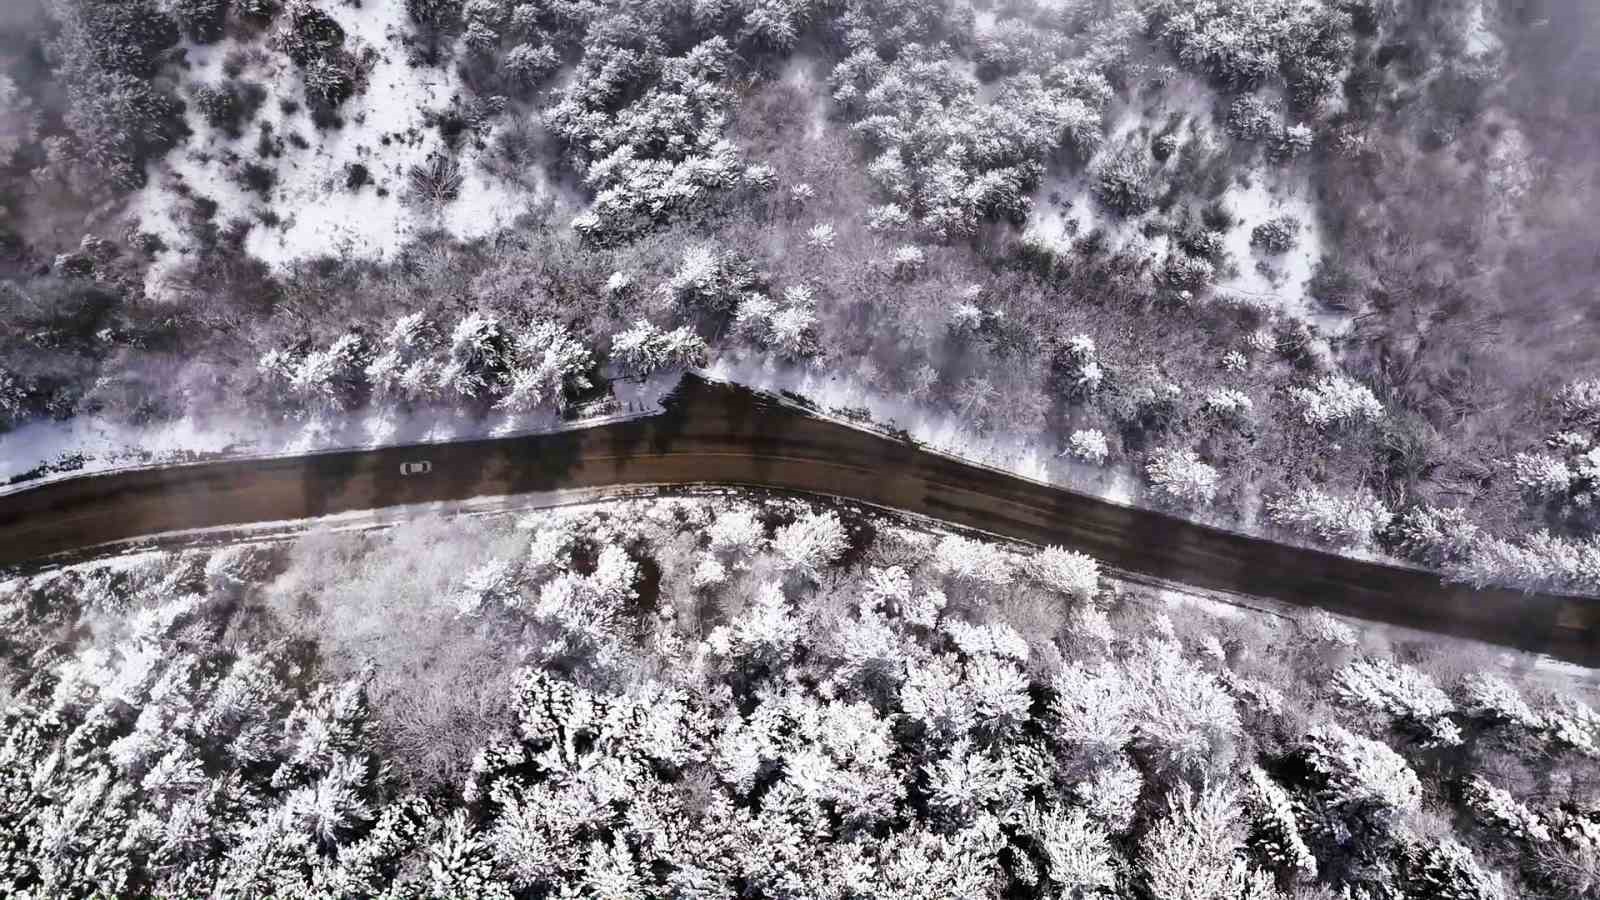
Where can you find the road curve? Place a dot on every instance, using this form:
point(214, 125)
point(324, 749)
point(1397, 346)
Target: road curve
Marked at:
point(718, 434)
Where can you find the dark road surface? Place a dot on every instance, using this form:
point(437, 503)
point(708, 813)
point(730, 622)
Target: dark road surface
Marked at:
point(717, 434)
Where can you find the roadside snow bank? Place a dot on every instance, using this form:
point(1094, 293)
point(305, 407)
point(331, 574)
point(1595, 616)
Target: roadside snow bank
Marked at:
point(847, 400)
point(84, 445)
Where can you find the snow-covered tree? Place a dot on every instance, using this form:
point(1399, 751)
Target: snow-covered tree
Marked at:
point(1408, 696)
point(1079, 362)
point(13, 399)
point(1278, 235)
point(787, 325)
point(1496, 808)
point(1089, 445)
point(908, 259)
point(994, 639)
point(479, 351)
point(1538, 560)
point(1092, 708)
point(1068, 572)
point(1191, 853)
point(644, 348)
point(1489, 697)
point(737, 533)
point(933, 695)
point(656, 153)
point(528, 65)
point(766, 633)
point(1447, 870)
point(811, 543)
point(708, 573)
point(1076, 849)
point(1578, 403)
point(972, 561)
point(407, 369)
point(19, 121)
point(1181, 713)
point(615, 575)
point(460, 863)
point(1360, 776)
point(1570, 723)
point(999, 692)
point(1251, 118)
point(1274, 833)
point(549, 364)
point(1540, 475)
point(1123, 182)
point(333, 378)
point(1318, 627)
point(1111, 794)
point(1180, 477)
point(1092, 626)
point(1334, 402)
point(493, 582)
point(1227, 404)
point(1347, 521)
point(1436, 536)
point(966, 782)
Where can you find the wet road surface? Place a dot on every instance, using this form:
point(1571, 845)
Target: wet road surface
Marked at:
point(724, 435)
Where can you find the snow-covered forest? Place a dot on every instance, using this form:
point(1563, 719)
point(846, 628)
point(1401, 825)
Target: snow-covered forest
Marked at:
point(1321, 269)
point(732, 697)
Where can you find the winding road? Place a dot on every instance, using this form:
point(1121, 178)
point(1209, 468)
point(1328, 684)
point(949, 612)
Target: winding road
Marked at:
point(723, 435)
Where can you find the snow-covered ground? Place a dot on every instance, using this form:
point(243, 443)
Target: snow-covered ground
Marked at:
point(807, 76)
point(385, 129)
point(1065, 209)
point(1276, 279)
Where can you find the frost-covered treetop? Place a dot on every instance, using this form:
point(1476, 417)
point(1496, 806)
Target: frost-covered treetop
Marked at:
point(1350, 521)
point(1181, 478)
point(811, 543)
point(1074, 574)
point(1335, 401)
point(1089, 445)
point(1360, 771)
point(1400, 692)
point(645, 348)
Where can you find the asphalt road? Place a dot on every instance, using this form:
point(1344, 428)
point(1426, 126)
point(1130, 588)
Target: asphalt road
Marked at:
point(717, 434)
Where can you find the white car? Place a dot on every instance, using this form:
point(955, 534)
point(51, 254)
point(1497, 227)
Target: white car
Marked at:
point(419, 467)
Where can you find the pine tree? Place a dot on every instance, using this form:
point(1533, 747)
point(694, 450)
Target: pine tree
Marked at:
point(1274, 833)
point(1111, 794)
point(1446, 871)
point(972, 561)
point(1359, 777)
point(1491, 698)
point(1401, 692)
point(1496, 808)
point(644, 348)
point(461, 864)
point(1181, 478)
point(812, 543)
point(1076, 851)
point(1335, 402)
point(1190, 854)
point(1092, 708)
point(1181, 714)
point(1068, 572)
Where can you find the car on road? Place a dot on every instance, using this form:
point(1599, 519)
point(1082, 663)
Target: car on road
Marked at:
point(416, 467)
